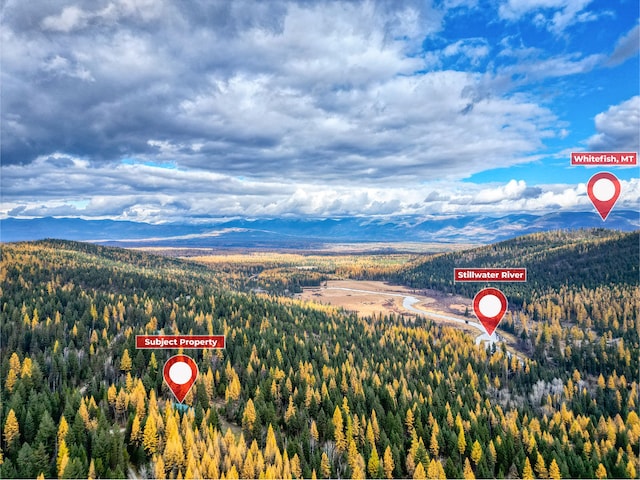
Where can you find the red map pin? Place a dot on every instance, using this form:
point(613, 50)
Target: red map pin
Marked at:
point(490, 305)
point(180, 373)
point(603, 190)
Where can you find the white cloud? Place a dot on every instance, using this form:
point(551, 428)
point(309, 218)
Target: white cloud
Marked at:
point(626, 47)
point(618, 128)
point(475, 49)
point(267, 108)
point(554, 15)
point(75, 18)
point(138, 192)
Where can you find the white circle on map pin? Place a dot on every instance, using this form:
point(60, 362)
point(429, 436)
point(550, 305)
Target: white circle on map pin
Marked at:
point(604, 189)
point(490, 306)
point(180, 373)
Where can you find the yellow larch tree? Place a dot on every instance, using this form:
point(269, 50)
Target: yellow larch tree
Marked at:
point(476, 452)
point(136, 432)
point(249, 416)
point(554, 470)
point(14, 371)
point(373, 465)
point(296, 469)
point(63, 429)
point(271, 450)
point(91, 475)
point(601, 472)
point(467, 472)
point(375, 426)
point(338, 432)
point(150, 436)
point(11, 429)
point(291, 411)
point(527, 471)
point(434, 446)
point(419, 473)
point(541, 468)
point(12, 378)
point(409, 420)
point(313, 430)
point(387, 463)
point(462, 443)
point(27, 367)
point(325, 466)
point(435, 470)
point(125, 361)
point(63, 457)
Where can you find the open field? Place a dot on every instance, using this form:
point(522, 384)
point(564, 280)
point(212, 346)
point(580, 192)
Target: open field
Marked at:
point(368, 297)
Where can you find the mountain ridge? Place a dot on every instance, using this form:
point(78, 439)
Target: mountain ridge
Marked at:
point(283, 232)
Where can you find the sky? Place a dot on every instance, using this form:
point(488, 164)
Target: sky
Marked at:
point(186, 111)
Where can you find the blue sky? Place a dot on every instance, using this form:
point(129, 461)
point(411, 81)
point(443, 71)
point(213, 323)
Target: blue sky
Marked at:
point(165, 110)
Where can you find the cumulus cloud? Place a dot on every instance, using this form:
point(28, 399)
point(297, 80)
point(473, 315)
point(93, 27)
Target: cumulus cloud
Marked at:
point(306, 89)
point(618, 128)
point(69, 186)
point(113, 108)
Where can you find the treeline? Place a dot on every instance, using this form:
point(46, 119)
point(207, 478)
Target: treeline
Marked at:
point(300, 390)
point(579, 258)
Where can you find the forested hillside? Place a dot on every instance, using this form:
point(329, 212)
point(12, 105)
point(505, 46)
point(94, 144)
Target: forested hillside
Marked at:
point(304, 390)
point(577, 258)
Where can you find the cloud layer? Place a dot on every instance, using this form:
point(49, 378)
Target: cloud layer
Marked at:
point(282, 107)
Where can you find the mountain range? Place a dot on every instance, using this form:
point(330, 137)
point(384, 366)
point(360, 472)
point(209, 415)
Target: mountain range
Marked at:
point(308, 232)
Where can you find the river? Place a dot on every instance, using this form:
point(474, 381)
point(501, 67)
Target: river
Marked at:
point(408, 303)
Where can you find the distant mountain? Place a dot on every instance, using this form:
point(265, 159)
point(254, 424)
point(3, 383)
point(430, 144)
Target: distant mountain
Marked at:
point(309, 232)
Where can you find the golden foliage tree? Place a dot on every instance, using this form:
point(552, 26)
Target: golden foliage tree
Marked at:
point(527, 471)
point(125, 361)
point(387, 463)
point(554, 470)
point(11, 429)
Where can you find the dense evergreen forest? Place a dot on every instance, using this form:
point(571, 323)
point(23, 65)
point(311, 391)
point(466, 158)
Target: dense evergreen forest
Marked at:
point(305, 390)
point(577, 258)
